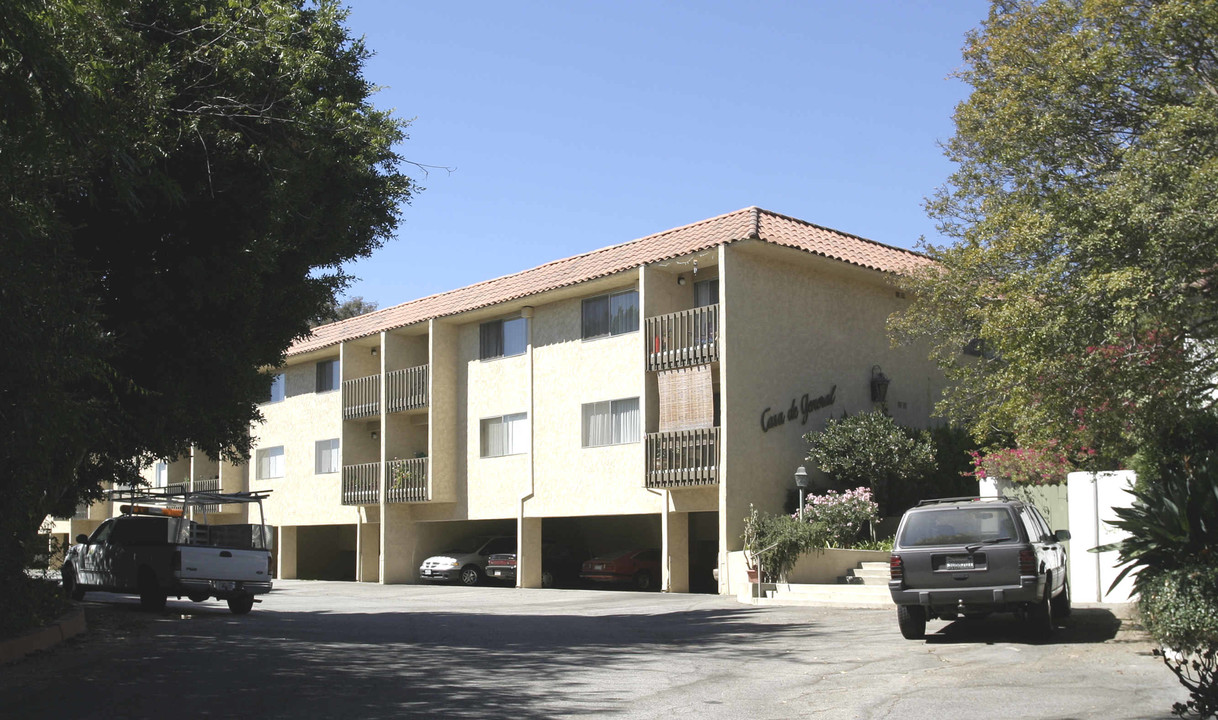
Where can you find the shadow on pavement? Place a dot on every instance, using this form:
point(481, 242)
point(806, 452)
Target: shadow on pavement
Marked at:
point(199, 660)
point(1085, 625)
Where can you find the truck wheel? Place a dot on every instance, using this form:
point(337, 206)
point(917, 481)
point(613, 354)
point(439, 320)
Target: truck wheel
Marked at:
point(152, 597)
point(71, 588)
point(241, 605)
point(912, 620)
point(198, 597)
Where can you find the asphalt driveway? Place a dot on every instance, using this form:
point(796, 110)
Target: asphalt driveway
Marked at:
point(339, 650)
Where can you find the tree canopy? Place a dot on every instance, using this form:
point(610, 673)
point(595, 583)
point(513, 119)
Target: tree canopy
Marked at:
point(1084, 214)
point(181, 183)
point(349, 308)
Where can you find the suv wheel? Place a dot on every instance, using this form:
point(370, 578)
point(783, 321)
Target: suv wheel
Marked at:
point(912, 620)
point(1061, 603)
point(471, 575)
point(1040, 616)
point(71, 588)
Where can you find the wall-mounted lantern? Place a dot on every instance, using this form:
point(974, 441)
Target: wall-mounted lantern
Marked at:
point(375, 435)
point(374, 351)
point(879, 385)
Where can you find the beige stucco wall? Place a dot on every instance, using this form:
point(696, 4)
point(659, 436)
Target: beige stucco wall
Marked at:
point(302, 497)
point(796, 324)
point(568, 373)
point(486, 389)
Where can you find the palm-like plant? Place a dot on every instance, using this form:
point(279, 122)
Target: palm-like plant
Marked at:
point(1172, 522)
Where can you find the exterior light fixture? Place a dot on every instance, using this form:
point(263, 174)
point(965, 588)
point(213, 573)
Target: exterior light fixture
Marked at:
point(801, 482)
point(879, 385)
point(680, 279)
point(375, 435)
point(374, 351)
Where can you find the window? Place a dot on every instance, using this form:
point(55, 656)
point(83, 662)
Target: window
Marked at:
point(326, 456)
point(706, 292)
point(507, 435)
point(162, 475)
point(611, 314)
point(502, 338)
point(277, 388)
point(327, 376)
point(270, 463)
point(611, 422)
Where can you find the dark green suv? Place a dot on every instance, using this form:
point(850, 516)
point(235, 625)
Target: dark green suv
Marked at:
point(974, 556)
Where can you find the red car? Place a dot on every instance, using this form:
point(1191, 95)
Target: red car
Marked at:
point(640, 568)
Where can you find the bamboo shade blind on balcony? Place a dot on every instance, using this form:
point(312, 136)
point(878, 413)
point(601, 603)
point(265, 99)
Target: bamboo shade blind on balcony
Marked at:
point(687, 399)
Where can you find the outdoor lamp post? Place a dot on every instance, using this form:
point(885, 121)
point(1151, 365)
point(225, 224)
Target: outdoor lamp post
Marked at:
point(801, 482)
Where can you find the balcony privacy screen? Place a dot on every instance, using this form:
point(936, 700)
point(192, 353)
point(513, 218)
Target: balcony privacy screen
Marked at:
point(687, 399)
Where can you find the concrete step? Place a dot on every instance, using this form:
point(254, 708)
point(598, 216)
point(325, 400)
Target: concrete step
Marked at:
point(868, 573)
point(878, 566)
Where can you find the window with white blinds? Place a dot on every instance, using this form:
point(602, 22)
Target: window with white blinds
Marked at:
point(611, 422)
point(327, 456)
point(506, 435)
point(270, 463)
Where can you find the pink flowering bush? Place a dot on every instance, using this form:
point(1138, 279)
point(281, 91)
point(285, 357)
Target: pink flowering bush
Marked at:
point(1028, 466)
point(843, 516)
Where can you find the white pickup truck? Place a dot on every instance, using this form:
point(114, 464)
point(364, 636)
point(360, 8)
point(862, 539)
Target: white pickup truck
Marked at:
point(156, 550)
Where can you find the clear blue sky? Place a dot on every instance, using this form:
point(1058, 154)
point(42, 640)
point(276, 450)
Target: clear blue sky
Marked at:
point(571, 126)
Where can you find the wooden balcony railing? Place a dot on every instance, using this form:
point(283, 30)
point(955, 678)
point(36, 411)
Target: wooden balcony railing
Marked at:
point(682, 339)
point(683, 458)
point(407, 388)
point(362, 397)
point(362, 484)
point(407, 480)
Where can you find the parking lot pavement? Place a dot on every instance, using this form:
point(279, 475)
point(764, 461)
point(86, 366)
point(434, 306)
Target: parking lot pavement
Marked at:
point(320, 649)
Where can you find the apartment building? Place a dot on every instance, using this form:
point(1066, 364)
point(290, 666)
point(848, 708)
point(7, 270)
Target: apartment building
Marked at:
point(640, 395)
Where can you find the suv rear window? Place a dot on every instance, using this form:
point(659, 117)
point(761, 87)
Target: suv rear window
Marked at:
point(957, 526)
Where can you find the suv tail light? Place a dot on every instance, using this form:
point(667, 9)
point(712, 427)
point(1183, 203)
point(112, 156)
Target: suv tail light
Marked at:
point(896, 568)
point(1027, 562)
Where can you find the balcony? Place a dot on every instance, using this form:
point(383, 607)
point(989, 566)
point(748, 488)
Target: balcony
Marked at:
point(209, 485)
point(362, 484)
point(407, 388)
point(683, 458)
point(362, 397)
point(407, 481)
point(682, 339)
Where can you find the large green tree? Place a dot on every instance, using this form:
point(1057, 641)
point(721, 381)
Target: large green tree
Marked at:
point(1084, 214)
point(181, 182)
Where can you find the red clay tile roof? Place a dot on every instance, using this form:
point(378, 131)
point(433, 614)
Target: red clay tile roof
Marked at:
point(749, 223)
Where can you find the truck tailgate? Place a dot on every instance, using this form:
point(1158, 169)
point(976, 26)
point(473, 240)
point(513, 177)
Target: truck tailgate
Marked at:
point(214, 563)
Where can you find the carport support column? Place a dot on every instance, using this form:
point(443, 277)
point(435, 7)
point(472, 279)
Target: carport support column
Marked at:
point(286, 547)
point(528, 551)
point(675, 555)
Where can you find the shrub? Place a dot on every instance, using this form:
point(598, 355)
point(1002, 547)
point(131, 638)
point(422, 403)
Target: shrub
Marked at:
point(1179, 608)
point(870, 449)
point(843, 516)
point(779, 541)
